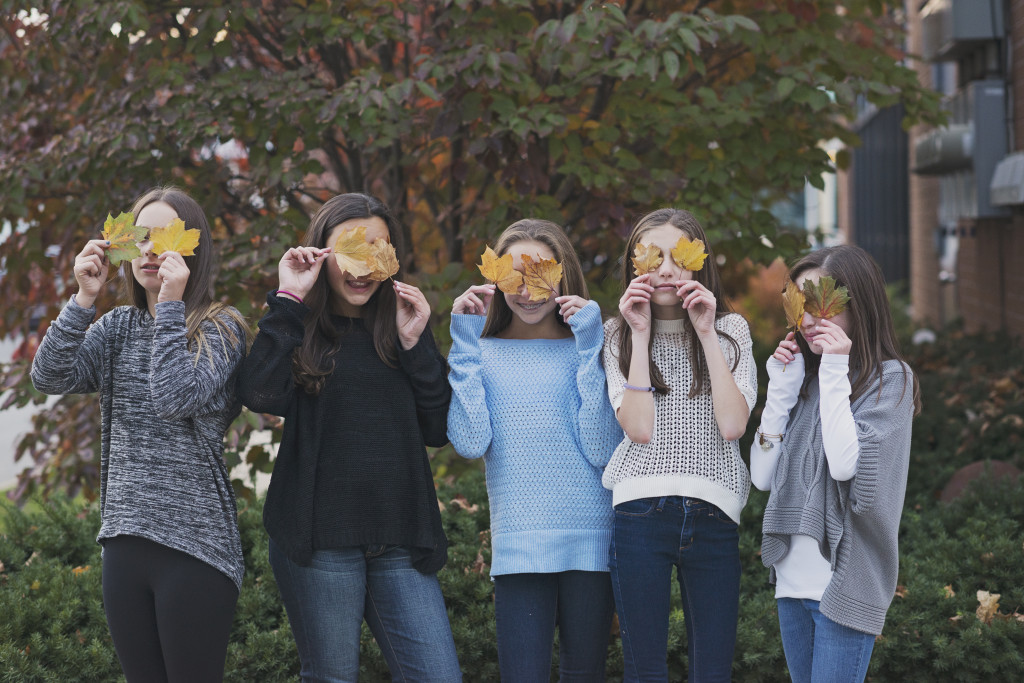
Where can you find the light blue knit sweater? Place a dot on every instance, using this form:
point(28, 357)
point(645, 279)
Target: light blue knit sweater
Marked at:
point(537, 410)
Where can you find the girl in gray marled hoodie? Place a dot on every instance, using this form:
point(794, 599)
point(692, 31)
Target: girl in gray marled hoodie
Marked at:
point(834, 448)
point(164, 367)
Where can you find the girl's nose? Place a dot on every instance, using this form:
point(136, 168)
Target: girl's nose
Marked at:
point(807, 320)
point(145, 246)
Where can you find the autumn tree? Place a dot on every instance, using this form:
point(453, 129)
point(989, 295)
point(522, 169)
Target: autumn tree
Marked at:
point(463, 116)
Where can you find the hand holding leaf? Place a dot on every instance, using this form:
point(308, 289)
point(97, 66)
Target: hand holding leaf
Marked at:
point(174, 237)
point(123, 235)
point(688, 254)
point(646, 257)
point(824, 299)
point(542, 277)
point(500, 271)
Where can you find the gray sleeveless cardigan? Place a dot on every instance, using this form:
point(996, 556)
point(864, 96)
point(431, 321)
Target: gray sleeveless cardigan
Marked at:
point(855, 522)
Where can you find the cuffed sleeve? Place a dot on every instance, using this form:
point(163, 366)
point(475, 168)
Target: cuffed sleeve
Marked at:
point(469, 420)
point(69, 359)
point(597, 428)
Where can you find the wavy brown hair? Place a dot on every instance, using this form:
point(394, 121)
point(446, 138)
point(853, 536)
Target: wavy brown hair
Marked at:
point(871, 328)
point(499, 315)
point(200, 305)
point(313, 361)
point(707, 276)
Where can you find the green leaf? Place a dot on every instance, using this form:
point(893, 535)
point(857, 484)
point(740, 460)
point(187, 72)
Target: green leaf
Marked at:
point(784, 87)
point(689, 39)
point(671, 62)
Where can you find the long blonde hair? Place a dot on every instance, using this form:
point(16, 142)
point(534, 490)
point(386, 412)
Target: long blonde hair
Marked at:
point(200, 305)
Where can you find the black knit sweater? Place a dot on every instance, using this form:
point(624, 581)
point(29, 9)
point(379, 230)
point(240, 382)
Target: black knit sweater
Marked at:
point(352, 468)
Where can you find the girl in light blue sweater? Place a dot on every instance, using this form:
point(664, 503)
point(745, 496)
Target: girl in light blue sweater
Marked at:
point(529, 395)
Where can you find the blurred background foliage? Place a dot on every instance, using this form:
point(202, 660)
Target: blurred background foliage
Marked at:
point(463, 116)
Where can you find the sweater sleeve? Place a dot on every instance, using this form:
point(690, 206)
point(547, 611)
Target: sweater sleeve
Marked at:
point(883, 416)
point(614, 377)
point(265, 380)
point(469, 419)
point(838, 429)
point(745, 372)
point(181, 382)
point(425, 367)
point(598, 429)
point(69, 359)
point(784, 383)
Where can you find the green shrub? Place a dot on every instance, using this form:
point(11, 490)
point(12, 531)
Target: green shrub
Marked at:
point(53, 627)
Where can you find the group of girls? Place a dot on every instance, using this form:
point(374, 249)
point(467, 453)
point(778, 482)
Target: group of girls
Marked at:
point(611, 455)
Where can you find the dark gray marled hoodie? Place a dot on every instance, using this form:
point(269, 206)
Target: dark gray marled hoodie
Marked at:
point(164, 417)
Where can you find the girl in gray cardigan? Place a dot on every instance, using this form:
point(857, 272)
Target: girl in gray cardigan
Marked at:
point(833, 448)
point(164, 369)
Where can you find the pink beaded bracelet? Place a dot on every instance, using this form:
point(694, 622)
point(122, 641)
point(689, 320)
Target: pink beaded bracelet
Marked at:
point(633, 388)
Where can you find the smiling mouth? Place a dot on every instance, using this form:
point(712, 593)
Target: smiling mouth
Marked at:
point(359, 285)
point(150, 268)
point(532, 305)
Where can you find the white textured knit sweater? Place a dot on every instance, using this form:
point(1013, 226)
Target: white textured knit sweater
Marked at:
point(687, 454)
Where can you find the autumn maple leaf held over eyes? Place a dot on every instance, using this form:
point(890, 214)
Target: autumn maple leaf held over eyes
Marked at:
point(646, 257)
point(124, 236)
point(174, 237)
point(541, 277)
point(500, 271)
point(825, 299)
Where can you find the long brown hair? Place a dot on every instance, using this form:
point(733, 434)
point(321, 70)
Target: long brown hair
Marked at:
point(313, 361)
point(707, 276)
point(871, 328)
point(198, 295)
point(499, 315)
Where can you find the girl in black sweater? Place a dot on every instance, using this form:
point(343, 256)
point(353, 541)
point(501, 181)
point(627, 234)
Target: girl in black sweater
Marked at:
point(355, 529)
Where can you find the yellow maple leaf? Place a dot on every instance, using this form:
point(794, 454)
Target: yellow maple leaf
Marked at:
point(988, 606)
point(500, 271)
point(689, 254)
point(353, 252)
point(793, 304)
point(124, 236)
point(541, 277)
point(174, 237)
point(646, 257)
point(383, 260)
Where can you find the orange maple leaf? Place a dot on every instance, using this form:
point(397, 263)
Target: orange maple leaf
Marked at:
point(646, 257)
point(793, 304)
point(383, 260)
point(500, 271)
point(353, 252)
point(124, 236)
point(824, 299)
point(174, 237)
point(542, 277)
point(689, 254)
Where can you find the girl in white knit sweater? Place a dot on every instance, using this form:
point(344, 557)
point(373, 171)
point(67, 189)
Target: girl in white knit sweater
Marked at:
point(682, 379)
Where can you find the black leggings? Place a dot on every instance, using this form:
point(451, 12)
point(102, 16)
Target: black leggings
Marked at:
point(169, 613)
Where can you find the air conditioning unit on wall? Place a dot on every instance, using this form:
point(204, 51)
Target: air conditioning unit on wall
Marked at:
point(953, 28)
point(966, 152)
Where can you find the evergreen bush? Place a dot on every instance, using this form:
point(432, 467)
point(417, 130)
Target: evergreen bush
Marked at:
point(53, 627)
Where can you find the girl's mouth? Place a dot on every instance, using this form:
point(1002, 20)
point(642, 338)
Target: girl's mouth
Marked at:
point(359, 285)
point(150, 268)
point(531, 305)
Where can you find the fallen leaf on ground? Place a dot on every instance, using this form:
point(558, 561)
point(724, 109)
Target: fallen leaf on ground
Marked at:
point(988, 606)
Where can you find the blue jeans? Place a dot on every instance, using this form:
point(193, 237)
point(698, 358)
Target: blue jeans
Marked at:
point(526, 609)
point(651, 536)
point(328, 600)
point(818, 649)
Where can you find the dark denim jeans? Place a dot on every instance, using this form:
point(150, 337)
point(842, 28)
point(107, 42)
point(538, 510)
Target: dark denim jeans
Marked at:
point(651, 536)
point(527, 607)
point(328, 600)
point(818, 650)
